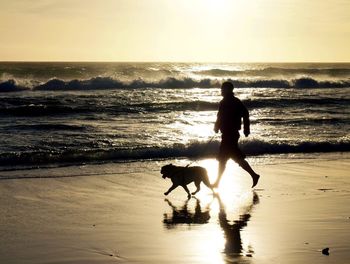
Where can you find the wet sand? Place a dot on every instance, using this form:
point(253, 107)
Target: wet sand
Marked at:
point(117, 213)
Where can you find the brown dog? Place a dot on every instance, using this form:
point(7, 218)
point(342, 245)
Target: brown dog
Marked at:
point(181, 176)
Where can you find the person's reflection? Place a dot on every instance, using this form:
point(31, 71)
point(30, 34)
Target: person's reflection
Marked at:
point(183, 215)
point(232, 231)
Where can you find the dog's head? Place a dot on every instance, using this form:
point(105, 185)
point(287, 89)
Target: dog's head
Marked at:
point(167, 170)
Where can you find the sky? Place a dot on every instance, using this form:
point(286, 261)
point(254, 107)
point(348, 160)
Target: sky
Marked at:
point(175, 30)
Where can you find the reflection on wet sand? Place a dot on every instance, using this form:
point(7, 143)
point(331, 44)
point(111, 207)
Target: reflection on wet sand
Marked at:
point(182, 215)
point(233, 246)
point(232, 231)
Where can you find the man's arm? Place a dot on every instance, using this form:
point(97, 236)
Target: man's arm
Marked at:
point(217, 125)
point(246, 121)
point(218, 121)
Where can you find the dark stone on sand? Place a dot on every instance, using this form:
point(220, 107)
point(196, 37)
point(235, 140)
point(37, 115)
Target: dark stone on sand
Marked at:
point(325, 251)
point(325, 189)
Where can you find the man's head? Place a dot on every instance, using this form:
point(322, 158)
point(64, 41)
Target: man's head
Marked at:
point(226, 88)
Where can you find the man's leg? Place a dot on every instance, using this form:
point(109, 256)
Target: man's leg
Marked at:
point(245, 165)
point(222, 166)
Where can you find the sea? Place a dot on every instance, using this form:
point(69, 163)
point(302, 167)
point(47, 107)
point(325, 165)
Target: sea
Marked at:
point(69, 113)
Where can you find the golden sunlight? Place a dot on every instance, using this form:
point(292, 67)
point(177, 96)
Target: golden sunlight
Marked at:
point(212, 246)
point(193, 31)
point(194, 126)
point(234, 180)
point(215, 3)
point(231, 208)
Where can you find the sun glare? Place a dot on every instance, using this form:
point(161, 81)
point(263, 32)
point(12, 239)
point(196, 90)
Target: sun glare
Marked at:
point(215, 3)
point(194, 126)
point(234, 199)
point(234, 183)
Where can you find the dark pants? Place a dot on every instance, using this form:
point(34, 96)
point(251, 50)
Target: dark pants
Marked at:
point(229, 148)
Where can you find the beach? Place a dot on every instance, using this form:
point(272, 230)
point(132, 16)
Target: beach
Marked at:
point(82, 145)
point(98, 97)
point(117, 213)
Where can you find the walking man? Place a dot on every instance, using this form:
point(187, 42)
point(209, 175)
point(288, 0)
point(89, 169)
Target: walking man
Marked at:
point(229, 122)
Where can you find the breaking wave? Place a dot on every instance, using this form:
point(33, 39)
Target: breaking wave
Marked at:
point(11, 86)
point(192, 150)
point(102, 83)
point(273, 71)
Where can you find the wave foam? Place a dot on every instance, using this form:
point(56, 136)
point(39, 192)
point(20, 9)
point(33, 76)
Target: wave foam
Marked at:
point(100, 83)
point(276, 71)
point(193, 150)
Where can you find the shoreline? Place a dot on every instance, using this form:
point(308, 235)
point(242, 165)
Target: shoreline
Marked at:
point(260, 159)
point(120, 215)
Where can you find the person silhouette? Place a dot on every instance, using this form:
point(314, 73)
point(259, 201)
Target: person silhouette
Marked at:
point(229, 122)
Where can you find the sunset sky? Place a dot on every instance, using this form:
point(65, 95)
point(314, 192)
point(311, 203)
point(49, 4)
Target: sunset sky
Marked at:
point(175, 30)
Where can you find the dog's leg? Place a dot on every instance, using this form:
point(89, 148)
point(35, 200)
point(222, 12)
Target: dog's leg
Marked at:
point(170, 189)
point(207, 183)
point(198, 185)
point(187, 190)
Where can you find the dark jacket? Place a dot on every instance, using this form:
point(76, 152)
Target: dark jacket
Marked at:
point(231, 112)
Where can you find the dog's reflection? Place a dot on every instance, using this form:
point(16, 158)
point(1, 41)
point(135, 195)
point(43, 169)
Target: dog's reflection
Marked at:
point(184, 215)
point(232, 230)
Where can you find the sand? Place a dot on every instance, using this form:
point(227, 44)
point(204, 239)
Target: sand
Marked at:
point(117, 213)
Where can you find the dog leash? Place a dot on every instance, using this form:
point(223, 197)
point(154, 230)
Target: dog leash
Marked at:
point(210, 140)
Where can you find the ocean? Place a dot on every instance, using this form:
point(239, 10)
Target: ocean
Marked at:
point(66, 113)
